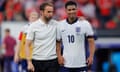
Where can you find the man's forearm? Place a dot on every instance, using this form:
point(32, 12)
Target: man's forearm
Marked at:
point(27, 49)
point(91, 47)
point(17, 49)
point(58, 48)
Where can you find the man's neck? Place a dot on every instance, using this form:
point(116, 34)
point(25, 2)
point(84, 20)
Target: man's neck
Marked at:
point(7, 35)
point(44, 20)
point(71, 20)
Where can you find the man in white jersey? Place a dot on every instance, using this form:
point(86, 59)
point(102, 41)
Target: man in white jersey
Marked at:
point(72, 33)
point(43, 35)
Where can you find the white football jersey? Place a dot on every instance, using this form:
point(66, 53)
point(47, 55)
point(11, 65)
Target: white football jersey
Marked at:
point(73, 38)
point(44, 39)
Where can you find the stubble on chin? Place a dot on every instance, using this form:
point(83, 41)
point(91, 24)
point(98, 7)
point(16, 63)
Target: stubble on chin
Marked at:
point(48, 19)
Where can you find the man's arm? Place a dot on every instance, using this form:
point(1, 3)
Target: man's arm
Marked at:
point(17, 50)
point(90, 38)
point(16, 57)
point(91, 50)
point(27, 50)
point(58, 50)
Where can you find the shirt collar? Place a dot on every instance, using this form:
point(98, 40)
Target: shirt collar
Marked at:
point(73, 21)
point(42, 22)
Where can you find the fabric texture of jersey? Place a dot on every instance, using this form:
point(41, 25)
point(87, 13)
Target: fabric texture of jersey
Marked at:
point(73, 38)
point(44, 39)
point(22, 38)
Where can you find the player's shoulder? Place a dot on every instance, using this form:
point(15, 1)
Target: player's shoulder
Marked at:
point(84, 22)
point(35, 23)
point(62, 21)
point(54, 21)
point(24, 27)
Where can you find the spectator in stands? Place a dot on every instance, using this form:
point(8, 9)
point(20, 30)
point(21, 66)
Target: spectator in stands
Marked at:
point(9, 10)
point(114, 22)
point(1, 17)
point(87, 8)
point(104, 11)
point(18, 11)
point(2, 5)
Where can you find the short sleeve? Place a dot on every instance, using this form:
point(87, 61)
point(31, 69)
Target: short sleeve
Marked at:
point(30, 33)
point(89, 30)
point(58, 33)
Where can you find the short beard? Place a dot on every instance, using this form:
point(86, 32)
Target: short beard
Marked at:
point(48, 19)
point(72, 18)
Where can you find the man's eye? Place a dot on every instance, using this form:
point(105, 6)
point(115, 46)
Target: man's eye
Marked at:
point(69, 9)
point(49, 11)
point(74, 9)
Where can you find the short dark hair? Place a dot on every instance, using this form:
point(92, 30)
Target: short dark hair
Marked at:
point(7, 30)
point(43, 5)
point(70, 3)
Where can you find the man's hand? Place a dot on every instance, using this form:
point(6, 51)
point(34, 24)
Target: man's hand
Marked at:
point(61, 60)
point(90, 61)
point(30, 66)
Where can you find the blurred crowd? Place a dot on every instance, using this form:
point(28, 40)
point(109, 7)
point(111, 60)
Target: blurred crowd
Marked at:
point(101, 13)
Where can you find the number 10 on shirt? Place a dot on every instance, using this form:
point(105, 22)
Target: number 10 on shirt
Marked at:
point(71, 38)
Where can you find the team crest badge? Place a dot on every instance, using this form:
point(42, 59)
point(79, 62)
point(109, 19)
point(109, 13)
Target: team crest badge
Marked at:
point(78, 30)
